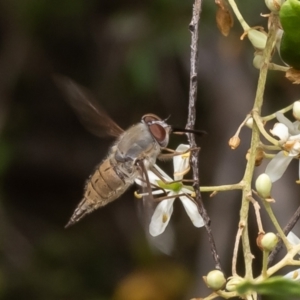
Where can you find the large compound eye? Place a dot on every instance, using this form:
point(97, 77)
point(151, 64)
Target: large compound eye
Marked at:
point(158, 132)
point(156, 128)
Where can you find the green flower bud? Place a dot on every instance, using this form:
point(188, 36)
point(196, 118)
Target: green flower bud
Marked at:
point(215, 280)
point(296, 110)
point(274, 5)
point(263, 185)
point(257, 38)
point(249, 123)
point(269, 241)
point(257, 61)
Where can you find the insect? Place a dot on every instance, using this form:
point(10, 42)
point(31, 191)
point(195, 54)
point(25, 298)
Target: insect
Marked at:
point(133, 153)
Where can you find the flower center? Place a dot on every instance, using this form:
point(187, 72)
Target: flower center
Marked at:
point(173, 186)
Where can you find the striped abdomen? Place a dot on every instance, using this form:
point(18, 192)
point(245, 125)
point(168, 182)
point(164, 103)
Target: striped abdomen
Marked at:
point(105, 185)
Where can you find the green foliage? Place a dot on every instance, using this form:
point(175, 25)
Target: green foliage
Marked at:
point(35, 13)
point(143, 67)
point(290, 43)
point(277, 287)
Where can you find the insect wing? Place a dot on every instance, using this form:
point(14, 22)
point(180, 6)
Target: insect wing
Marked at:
point(146, 207)
point(89, 112)
point(165, 241)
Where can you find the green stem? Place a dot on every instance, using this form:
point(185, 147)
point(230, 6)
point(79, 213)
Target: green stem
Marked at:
point(265, 264)
point(268, 155)
point(222, 188)
point(286, 261)
point(238, 15)
point(262, 130)
point(273, 116)
point(255, 140)
point(269, 147)
point(276, 224)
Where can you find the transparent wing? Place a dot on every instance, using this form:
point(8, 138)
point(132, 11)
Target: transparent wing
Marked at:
point(146, 206)
point(164, 242)
point(89, 112)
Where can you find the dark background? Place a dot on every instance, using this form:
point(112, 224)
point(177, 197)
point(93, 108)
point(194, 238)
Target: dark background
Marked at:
point(134, 57)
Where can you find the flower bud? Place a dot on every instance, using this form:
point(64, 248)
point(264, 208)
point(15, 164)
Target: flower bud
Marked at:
point(269, 241)
point(257, 38)
point(233, 282)
point(274, 5)
point(296, 110)
point(215, 280)
point(259, 156)
point(249, 123)
point(263, 185)
point(258, 240)
point(234, 142)
point(257, 61)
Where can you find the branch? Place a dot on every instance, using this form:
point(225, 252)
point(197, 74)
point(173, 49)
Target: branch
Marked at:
point(290, 225)
point(193, 27)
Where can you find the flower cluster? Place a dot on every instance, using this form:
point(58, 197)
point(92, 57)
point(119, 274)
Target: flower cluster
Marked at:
point(289, 139)
point(294, 240)
point(173, 188)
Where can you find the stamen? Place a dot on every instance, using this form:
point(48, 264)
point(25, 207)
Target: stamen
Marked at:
point(137, 195)
point(295, 274)
point(165, 218)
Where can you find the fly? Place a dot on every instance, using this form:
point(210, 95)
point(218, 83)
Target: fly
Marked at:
point(134, 152)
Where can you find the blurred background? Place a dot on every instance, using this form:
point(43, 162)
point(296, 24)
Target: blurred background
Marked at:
point(134, 57)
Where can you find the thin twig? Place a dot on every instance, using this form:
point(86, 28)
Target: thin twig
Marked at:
point(290, 225)
point(270, 212)
point(191, 124)
point(257, 213)
point(236, 248)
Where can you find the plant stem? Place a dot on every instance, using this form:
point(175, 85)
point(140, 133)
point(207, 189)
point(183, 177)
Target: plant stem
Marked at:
point(290, 225)
point(273, 116)
point(255, 141)
point(238, 15)
point(276, 224)
point(193, 26)
point(265, 264)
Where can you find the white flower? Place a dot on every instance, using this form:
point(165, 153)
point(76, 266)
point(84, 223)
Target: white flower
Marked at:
point(280, 130)
point(293, 275)
point(294, 240)
point(296, 110)
point(162, 214)
point(289, 138)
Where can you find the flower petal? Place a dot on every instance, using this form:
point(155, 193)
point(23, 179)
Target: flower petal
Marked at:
point(281, 131)
point(295, 150)
point(187, 191)
point(277, 166)
point(192, 211)
point(162, 173)
point(153, 178)
point(181, 163)
point(284, 120)
point(293, 239)
point(161, 217)
point(294, 275)
point(296, 126)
